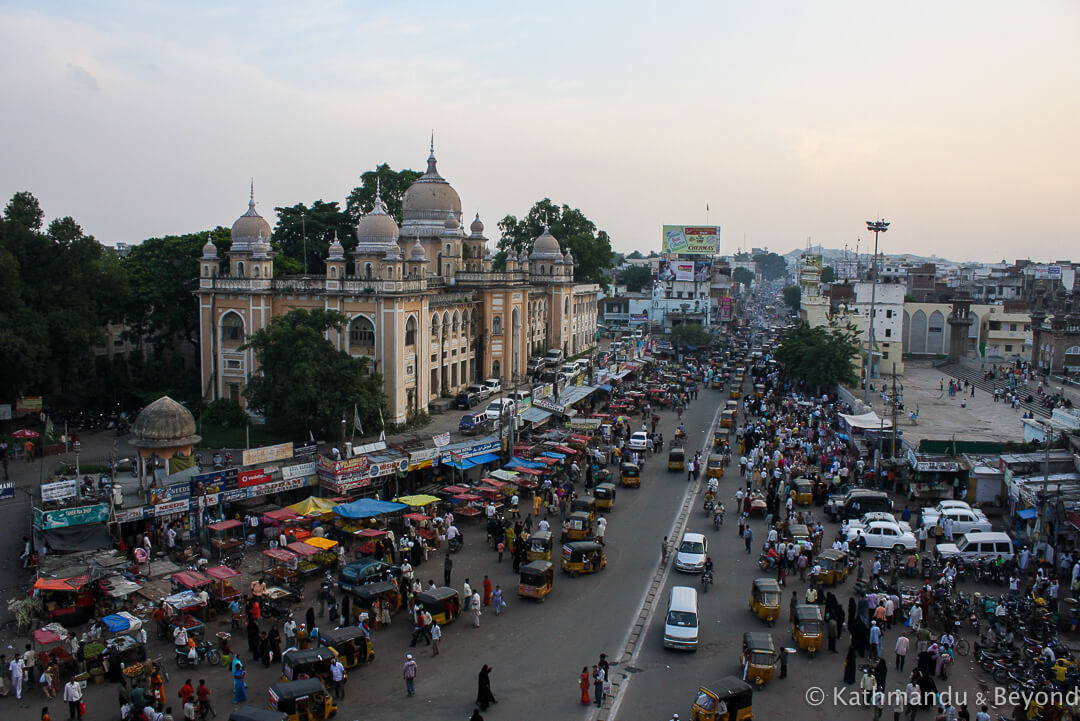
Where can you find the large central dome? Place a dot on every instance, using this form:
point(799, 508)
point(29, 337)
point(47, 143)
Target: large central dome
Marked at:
point(427, 203)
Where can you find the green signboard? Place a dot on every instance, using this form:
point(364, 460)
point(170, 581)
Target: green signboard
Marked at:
point(66, 517)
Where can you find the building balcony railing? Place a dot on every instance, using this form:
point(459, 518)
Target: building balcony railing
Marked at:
point(472, 276)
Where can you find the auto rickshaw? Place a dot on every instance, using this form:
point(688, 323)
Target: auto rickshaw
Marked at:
point(538, 547)
point(443, 604)
point(802, 491)
point(583, 557)
point(834, 567)
point(727, 419)
point(715, 468)
point(719, 441)
point(731, 406)
point(759, 390)
point(578, 527)
point(759, 657)
point(349, 643)
point(676, 459)
point(736, 391)
point(765, 599)
point(536, 580)
point(584, 504)
point(729, 699)
point(799, 533)
point(253, 713)
point(303, 700)
point(807, 629)
point(312, 662)
point(604, 495)
point(718, 382)
point(630, 475)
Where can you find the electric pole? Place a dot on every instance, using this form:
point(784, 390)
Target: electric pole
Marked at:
point(878, 227)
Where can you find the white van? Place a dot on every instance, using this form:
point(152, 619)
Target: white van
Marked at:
point(681, 622)
point(977, 545)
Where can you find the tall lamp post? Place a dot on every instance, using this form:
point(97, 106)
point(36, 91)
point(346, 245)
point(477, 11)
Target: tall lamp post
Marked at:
point(878, 227)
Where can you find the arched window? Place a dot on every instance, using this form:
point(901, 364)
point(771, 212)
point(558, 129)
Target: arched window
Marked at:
point(496, 325)
point(240, 268)
point(333, 271)
point(496, 369)
point(410, 331)
point(448, 249)
point(232, 327)
point(566, 307)
point(435, 325)
point(255, 271)
point(367, 270)
point(361, 333)
point(456, 323)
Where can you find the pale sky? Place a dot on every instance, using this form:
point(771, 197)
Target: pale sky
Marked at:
point(956, 121)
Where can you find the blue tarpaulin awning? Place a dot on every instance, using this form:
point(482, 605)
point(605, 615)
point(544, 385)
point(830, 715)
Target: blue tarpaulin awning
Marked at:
point(367, 507)
point(1026, 513)
point(463, 465)
point(516, 462)
point(604, 387)
point(484, 458)
point(553, 454)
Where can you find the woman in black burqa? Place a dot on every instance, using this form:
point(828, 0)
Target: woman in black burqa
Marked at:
point(484, 697)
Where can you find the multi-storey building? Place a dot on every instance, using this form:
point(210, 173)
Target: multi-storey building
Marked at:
point(422, 300)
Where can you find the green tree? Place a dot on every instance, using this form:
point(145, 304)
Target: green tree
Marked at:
point(637, 277)
point(636, 255)
point(391, 183)
point(743, 275)
point(828, 274)
point(591, 247)
point(819, 358)
point(771, 265)
point(317, 224)
point(793, 297)
point(304, 381)
point(24, 211)
point(689, 334)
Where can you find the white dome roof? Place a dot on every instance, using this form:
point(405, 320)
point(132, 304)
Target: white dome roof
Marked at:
point(249, 226)
point(417, 253)
point(477, 227)
point(337, 252)
point(546, 247)
point(376, 230)
point(430, 195)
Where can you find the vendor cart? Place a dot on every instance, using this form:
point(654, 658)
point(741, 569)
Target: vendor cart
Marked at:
point(223, 592)
point(68, 601)
point(281, 564)
point(226, 536)
point(326, 551)
point(53, 641)
point(185, 609)
point(306, 568)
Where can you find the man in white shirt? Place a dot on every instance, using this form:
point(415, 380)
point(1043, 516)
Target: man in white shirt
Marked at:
point(290, 633)
point(544, 525)
point(337, 675)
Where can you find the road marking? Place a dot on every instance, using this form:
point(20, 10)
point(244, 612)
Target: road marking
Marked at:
point(631, 645)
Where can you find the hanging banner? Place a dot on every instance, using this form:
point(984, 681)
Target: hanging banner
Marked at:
point(59, 490)
point(66, 517)
point(170, 508)
point(171, 492)
point(28, 404)
point(443, 439)
point(302, 450)
point(216, 482)
point(254, 477)
point(267, 454)
point(298, 471)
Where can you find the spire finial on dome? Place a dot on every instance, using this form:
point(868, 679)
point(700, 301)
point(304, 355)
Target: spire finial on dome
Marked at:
point(378, 188)
point(432, 150)
point(251, 198)
point(431, 164)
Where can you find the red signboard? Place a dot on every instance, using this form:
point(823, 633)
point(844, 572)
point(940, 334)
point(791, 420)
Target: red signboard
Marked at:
point(253, 477)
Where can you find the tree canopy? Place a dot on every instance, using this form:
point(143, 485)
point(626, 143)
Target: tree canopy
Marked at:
point(771, 265)
point(793, 297)
point(828, 274)
point(304, 381)
point(689, 334)
point(743, 275)
point(591, 247)
point(317, 223)
point(391, 183)
point(819, 358)
point(636, 278)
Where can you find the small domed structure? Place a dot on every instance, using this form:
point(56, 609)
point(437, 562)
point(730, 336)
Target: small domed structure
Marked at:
point(249, 227)
point(376, 230)
point(209, 251)
point(546, 247)
point(164, 424)
point(430, 195)
point(337, 251)
point(451, 222)
point(416, 253)
point(477, 227)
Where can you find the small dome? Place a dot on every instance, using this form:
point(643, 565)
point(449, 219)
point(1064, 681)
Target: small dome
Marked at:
point(337, 251)
point(261, 248)
point(451, 222)
point(430, 193)
point(164, 424)
point(209, 251)
point(417, 253)
point(249, 226)
point(377, 229)
point(477, 227)
point(546, 247)
point(568, 257)
point(488, 255)
point(522, 257)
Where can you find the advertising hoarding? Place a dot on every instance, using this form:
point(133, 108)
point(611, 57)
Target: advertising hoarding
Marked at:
point(686, 270)
point(267, 454)
point(692, 239)
point(66, 517)
point(1048, 272)
point(59, 490)
point(255, 476)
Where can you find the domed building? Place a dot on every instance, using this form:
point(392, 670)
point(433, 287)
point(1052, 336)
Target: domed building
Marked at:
point(423, 301)
point(164, 429)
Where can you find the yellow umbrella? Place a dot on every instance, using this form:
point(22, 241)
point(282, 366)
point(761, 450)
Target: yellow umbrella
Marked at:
point(313, 506)
point(324, 544)
point(417, 501)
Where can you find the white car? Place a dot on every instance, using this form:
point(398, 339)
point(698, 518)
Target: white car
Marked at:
point(639, 441)
point(498, 406)
point(479, 389)
point(870, 517)
point(494, 385)
point(884, 535)
point(965, 519)
point(691, 553)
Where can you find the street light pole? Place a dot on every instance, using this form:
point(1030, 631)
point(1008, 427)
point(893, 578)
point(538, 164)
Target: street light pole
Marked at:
point(878, 227)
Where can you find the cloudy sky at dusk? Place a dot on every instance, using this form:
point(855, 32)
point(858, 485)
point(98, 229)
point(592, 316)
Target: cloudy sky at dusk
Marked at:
point(956, 121)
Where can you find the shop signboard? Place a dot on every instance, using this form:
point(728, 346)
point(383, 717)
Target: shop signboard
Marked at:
point(171, 492)
point(344, 487)
point(29, 404)
point(298, 471)
point(59, 490)
point(7, 490)
point(1048, 272)
point(303, 450)
point(590, 423)
point(171, 508)
point(692, 239)
point(127, 515)
point(5, 411)
point(267, 454)
point(548, 405)
point(66, 517)
point(422, 458)
point(281, 486)
point(480, 449)
point(254, 477)
point(216, 482)
point(443, 439)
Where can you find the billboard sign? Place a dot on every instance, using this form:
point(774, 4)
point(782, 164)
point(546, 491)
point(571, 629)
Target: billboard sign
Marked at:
point(1048, 272)
point(171, 492)
point(255, 476)
point(300, 470)
point(686, 270)
point(66, 517)
point(267, 454)
point(692, 239)
point(59, 490)
point(300, 450)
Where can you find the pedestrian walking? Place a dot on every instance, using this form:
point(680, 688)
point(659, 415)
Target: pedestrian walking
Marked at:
point(436, 636)
point(448, 566)
point(598, 685)
point(902, 644)
point(337, 675)
point(203, 694)
point(73, 696)
point(663, 551)
point(15, 670)
point(748, 538)
point(475, 603)
point(583, 684)
point(484, 697)
point(498, 600)
point(408, 672)
point(239, 681)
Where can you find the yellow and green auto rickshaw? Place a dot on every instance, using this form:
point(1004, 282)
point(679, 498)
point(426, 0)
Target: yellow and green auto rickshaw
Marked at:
point(583, 557)
point(715, 467)
point(807, 629)
point(578, 527)
point(736, 390)
point(765, 599)
point(584, 504)
point(833, 565)
point(442, 603)
point(676, 459)
point(798, 533)
point(727, 419)
point(350, 644)
point(604, 494)
point(538, 547)
point(729, 699)
point(802, 491)
point(535, 580)
point(303, 700)
point(719, 441)
point(630, 475)
point(315, 662)
point(758, 657)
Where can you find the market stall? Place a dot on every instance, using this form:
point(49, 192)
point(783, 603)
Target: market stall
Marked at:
point(306, 566)
point(185, 609)
point(69, 601)
point(226, 536)
point(223, 591)
point(281, 564)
